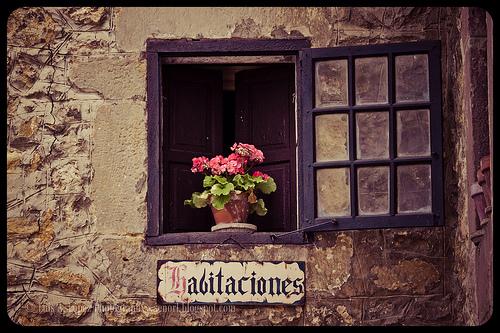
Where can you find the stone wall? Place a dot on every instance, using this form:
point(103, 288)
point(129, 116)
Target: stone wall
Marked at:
point(77, 170)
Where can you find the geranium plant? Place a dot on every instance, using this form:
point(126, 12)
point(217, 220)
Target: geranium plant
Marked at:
point(225, 175)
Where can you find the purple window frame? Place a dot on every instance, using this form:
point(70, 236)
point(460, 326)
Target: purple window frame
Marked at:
point(155, 50)
point(307, 166)
point(304, 71)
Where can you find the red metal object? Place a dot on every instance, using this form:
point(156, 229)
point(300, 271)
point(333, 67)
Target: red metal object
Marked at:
point(235, 211)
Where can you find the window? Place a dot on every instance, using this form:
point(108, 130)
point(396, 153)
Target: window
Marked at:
point(371, 136)
point(360, 145)
point(206, 108)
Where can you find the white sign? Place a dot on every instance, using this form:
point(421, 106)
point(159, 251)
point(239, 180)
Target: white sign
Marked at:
point(249, 282)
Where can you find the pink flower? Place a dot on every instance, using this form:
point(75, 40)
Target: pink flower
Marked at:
point(200, 164)
point(264, 176)
point(257, 156)
point(218, 164)
point(235, 164)
point(249, 151)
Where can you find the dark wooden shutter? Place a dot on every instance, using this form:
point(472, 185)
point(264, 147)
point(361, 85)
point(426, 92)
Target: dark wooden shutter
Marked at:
point(307, 110)
point(265, 118)
point(192, 127)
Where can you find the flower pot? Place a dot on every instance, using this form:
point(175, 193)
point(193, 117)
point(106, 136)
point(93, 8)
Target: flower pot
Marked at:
point(234, 212)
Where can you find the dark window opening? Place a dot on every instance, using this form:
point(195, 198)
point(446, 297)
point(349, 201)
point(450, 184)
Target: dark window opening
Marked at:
point(206, 108)
point(229, 97)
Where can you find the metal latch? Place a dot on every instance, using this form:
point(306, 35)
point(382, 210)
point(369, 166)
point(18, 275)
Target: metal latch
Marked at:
point(311, 227)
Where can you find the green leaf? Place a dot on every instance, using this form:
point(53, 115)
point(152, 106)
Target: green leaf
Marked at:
point(200, 199)
point(245, 181)
point(258, 208)
point(219, 189)
point(221, 180)
point(258, 179)
point(238, 180)
point(218, 202)
point(189, 203)
point(267, 186)
point(208, 181)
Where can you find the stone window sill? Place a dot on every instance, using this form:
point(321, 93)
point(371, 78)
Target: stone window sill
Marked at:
point(236, 238)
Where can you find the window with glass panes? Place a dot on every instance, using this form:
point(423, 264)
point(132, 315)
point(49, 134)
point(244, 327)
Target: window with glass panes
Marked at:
point(371, 136)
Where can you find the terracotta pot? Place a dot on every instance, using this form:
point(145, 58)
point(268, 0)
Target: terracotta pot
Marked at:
point(235, 211)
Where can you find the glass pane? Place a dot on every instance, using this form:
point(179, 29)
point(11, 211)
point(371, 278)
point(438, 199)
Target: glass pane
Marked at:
point(413, 133)
point(332, 190)
point(414, 188)
point(373, 190)
point(332, 138)
point(412, 78)
point(371, 80)
point(331, 83)
point(372, 135)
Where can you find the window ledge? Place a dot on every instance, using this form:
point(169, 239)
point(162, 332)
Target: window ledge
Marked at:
point(236, 238)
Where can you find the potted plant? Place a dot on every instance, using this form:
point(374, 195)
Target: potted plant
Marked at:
point(229, 188)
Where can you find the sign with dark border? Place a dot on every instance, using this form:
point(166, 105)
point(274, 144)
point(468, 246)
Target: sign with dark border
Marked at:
point(230, 282)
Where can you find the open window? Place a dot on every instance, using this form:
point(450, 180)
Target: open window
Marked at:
point(206, 108)
point(352, 135)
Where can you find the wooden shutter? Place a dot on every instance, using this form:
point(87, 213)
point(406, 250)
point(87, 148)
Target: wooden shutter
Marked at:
point(265, 118)
point(341, 99)
point(192, 127)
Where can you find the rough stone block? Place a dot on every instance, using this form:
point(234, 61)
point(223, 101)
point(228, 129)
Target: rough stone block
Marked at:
point(23, 108)
point(31, 27)
point(70, 175)
point(131, 312)
point(50, 66)
point(71, 112)
point(25, 132)
point(405, 276)
point(21, 227)
point(66, 281)
point(88, 18)
point(46, 310)
point(25, 73)
point(121, 76)
point(33, 248)
point(394, 18)
point(67, 140)
point(332, 312)
point(368, 251)
point(17, 275)
point(130, 272)
point(75, 215)
point(87, 43)
point(417, 241)
point(15, 186)
point(230, 315)
point(403, 310)
point(329, 268)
